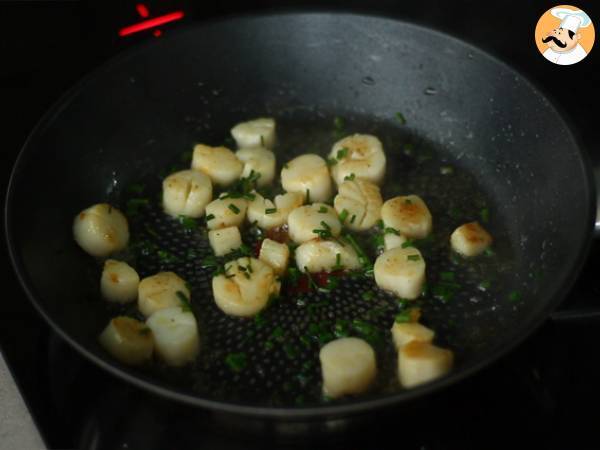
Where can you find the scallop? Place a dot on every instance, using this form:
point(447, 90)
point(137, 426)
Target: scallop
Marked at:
point(225, 212)
point(360, 156)
point(408, 215)
point(323, 255)
point(421, 362)
point(245, 288)
point(312, 221)
point(119, 282)
point(275, 254)
point(269, 214)
point(260, 161)
point(219, 163)
point(359, 203)
point(160, 291)
point(225, 240)
point(128, 340)
point(186, 193)
point(406, 332)
point(348, 366)
point(307, 175)
point(470, 239)
point(101, 230)
point(255, 133)
point(175, 333)
point(401, 271)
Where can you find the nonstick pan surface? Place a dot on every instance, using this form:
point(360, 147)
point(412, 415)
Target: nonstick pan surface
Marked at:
point(135, 119)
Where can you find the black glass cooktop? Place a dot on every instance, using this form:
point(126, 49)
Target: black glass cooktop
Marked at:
point(544, 394)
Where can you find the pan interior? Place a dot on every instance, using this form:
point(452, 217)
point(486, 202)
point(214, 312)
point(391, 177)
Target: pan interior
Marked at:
point(129, 123)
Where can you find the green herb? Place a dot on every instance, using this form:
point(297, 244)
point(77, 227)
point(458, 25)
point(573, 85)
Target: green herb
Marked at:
point(269, 345)
point(447, 276)
point(134, 205)
point(350, 177)
point(353, 218)
point(236, 361)
point(188, 223)
point(409, 149)
point(308, 196)
point(489, 252)
point(413, 257)
point(446, 170)
point(379, 241)
point(234, 208)
point(401, 118)
point(185, 302)
point(136, 188)
point(338, 262)
point(343, 215)
point(259, 320)
point(403, 317)
point(270, 210)
point(145, 331)
point(210, 217)
point(293, 274)
point(277, 334)
point(485, 285)
point(514, 296)
point(362, 256)
point(408, 243)
point(166, 257)
point(186, 157)
point(262, 141)
point(332, 282)
point(444, 291)
point(323, 209)
point(325, 232)
point(331, 162)
point(485, 215)
point(341, 328)
point(290, 351)
point(243, 187)
point(390, 230)
point(368, 295)
point(341, 153)
point(305, 341)
point(339, 123)
point(408, 201)
point(285, 166)
point(191, 253)
point(311, 281)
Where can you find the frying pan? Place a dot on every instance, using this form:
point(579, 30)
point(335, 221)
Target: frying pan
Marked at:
point(130, 121)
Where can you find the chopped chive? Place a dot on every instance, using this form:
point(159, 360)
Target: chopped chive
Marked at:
point(403, 317)
point(323, 209)
point(447, 276)
point(485, 285)
point(350, 177)
point(338, 123)
point(514, 296)
point(408, 243)
point(489, 252)
point(189, 223)
point(145, 331)
point(210, 217)
point(401, 118)
point(485, 215)
point(249, 196)
point(331, 162)
point(353, 218)
point(390, 230)
point(234, 208)
point(341, 153)
point(446, 170)
point(338, 262)
point(343, 215)
point(166, 257)
point(413, 257)
point(368, 295)
point(308, 196)
point(270, 210)
point(408, 201)
point(259, 320)
point(236, 361)
point(262, 141)
point(185, 302)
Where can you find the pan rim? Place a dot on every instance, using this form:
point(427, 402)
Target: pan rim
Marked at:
point(343, 409)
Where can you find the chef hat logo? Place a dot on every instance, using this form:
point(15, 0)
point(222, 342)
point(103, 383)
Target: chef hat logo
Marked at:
point(564, 35)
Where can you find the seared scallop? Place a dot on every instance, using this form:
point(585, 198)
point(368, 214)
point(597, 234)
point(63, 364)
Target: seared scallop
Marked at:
point(101, 230)
point(186, 193)
point(119, 282)
point(408, 215)
point(359, 203)
point(360, 156)
point(219, 163)
point(308, 175)
point(470, 239)
point(269, 214)
point(128, 340)
point(255, 133)
point(260, 161)
point(319, 255)
point(401, 271)
point(312, 221)
point(160, 291)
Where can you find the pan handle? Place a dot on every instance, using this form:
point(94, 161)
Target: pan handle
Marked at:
point(597, 182)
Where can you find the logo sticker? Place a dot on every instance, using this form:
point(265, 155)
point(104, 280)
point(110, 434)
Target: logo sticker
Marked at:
point(564, 35)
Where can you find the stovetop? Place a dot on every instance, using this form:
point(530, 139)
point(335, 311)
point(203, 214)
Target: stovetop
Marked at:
point(542, 394)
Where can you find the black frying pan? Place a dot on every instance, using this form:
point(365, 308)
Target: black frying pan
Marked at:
point(131, 120)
